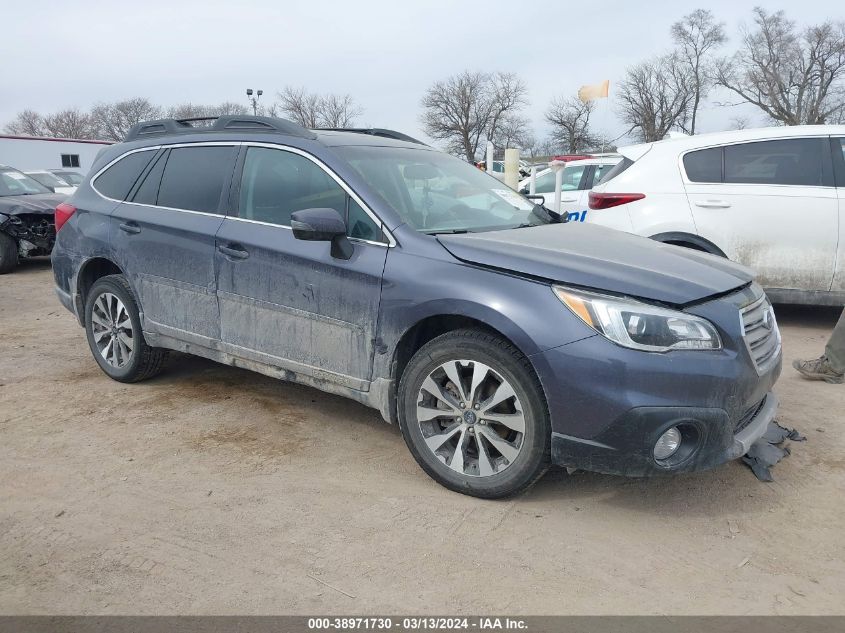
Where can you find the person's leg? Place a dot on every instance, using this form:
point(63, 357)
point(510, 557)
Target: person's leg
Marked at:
point(835, 350)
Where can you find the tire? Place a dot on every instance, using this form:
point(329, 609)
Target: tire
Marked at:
point(497, 459)
point(112, 326)
point(8, 254)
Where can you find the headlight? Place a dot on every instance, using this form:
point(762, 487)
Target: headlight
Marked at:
point(639, 325)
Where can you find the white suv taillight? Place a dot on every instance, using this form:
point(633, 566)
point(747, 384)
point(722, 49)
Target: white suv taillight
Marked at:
point(608, 200)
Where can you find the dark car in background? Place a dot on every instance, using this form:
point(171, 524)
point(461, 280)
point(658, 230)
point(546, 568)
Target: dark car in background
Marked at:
point(26, 218)
point(499, 339)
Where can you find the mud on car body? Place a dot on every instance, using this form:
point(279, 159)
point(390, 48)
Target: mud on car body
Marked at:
point(26, 218)
point(368, 265)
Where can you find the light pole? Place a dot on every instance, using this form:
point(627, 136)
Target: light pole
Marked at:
point(254, 100)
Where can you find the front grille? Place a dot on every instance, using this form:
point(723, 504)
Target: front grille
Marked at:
point(748, 416)
point(761, 334)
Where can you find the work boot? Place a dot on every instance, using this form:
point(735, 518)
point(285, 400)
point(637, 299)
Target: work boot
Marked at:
point(819, 369)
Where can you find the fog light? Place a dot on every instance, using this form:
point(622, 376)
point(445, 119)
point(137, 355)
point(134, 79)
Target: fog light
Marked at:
point(668, 444)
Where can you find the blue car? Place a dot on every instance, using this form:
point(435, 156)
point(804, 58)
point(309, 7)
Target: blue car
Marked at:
point(364, 263)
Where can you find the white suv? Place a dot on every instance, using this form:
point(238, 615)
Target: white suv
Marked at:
point(579, 176)
point(772, 199)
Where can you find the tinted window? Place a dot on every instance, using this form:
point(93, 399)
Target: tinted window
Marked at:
point(704, 165)
point(601, 170)
point(276, 183)
point(118, 179)
point(148, 191)
point(787, 162)
point(193, 178)
point(361, 225)
point(838, 146)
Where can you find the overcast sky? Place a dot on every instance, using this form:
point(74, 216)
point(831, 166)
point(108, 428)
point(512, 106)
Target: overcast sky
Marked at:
point(383, 52)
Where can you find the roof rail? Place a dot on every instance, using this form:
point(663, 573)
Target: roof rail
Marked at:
point(224, 123)
point(374, 131)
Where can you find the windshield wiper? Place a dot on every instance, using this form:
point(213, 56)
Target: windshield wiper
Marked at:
point(550, 216)
point(449, 231)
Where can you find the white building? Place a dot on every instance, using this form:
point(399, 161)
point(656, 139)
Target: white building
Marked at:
point(35, 152)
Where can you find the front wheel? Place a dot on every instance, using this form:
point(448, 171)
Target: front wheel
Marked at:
point(474, 416)
point(113, 328)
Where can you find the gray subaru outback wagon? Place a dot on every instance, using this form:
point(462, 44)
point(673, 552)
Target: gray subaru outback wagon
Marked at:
point(366, 264)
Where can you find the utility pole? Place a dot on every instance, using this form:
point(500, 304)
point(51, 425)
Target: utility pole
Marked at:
point(254, 100)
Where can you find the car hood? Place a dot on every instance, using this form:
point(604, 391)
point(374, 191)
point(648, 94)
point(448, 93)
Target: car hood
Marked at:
point(593, 256)
point(40, 203)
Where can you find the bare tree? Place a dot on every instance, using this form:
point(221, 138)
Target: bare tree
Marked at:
point(27, 123)
point(71, 123)
point(195, 111)
point(794, 77)
point(112, 121)
point(739, 123)
point(467, 108)
point(338, 111)
point(312, 110)
point(570, 121)
point(656, 96)
point(696, 36)
point(513, 130)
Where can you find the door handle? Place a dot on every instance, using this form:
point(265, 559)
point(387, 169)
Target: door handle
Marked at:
point(130, 227)
point(569, 199)
point(712, 204)
point(235, 251)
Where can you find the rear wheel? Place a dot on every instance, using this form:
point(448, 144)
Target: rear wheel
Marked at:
point(8, 254)
point(114, 332)
point(473, 415)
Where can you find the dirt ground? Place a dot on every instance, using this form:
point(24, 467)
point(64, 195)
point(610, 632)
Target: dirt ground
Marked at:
point(212, 490)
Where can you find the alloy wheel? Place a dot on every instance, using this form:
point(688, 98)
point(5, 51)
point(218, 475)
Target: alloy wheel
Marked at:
point(470, 418)
point(112, 330)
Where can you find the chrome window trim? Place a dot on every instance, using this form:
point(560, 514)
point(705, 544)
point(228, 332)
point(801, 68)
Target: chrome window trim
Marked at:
point(391, 241)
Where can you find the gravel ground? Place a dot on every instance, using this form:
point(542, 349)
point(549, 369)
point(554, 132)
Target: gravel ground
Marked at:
point(212, 490)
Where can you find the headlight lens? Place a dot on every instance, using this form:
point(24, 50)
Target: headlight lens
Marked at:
point(639, 325)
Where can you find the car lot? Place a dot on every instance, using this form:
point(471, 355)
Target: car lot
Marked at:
point(215, 490)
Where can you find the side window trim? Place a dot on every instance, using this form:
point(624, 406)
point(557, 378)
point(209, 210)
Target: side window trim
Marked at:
point(154, 149)
point(390, 240)
point(837, 148)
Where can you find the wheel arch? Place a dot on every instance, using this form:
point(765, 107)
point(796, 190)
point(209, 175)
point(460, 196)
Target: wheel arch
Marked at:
point(89, 272)
point(689, 240)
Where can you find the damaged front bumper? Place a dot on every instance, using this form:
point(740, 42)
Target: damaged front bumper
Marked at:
point(710, 438)
point(34, 233)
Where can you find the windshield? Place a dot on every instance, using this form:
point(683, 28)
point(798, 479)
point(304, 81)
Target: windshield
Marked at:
point(438, 193)
point(47, 179)
point(70, 177)
point(14, 183)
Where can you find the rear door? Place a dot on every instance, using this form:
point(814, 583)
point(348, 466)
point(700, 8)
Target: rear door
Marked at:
point(770, 205)
point(288, 302)
point(163, 237)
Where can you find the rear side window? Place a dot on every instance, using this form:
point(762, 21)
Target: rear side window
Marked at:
point(546, 182)
point(616, 170)
point(704, 165)
point(118, 180)
point(193, 178)
point(148, 191)
point(778, 162)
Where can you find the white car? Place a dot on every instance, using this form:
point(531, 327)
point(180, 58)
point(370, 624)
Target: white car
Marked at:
point(53, 182)
point(772, 199)
point(579, 176)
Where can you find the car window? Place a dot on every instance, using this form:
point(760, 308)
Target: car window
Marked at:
point(147, 193)
point(839, 160)
point(546, 182)
point(572, 178)
point(275, 183)
point(193, 178)
point(14, 183)
point(48, 179)
point(117, 180)
point(360, 225)
point(600, 171)
point(777, 162)
point(70, 177)
point(704, 165)
point(617, 169)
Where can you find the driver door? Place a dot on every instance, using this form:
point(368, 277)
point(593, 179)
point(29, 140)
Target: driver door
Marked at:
point(288, 302)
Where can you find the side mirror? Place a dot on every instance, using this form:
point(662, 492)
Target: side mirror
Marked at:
point(322, 225)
